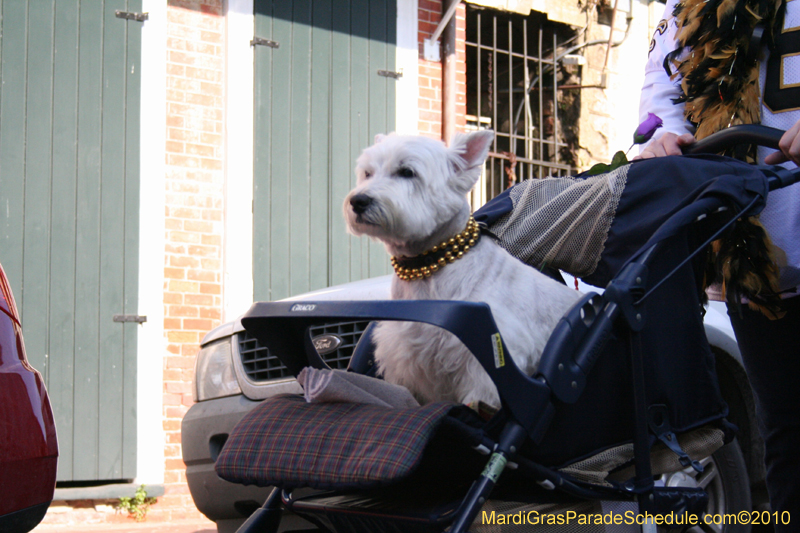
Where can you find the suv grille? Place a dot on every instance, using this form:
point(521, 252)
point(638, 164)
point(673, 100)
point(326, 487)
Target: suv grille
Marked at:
point(260, 365)
point(349, 333)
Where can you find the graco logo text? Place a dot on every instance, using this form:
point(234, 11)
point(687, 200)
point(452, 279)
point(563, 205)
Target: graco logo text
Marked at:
point(303, 307)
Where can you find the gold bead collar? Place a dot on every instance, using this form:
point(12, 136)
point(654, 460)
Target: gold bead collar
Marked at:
point(430, 261)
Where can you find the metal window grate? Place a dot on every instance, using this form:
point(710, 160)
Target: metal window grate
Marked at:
point(260, 365)
point(519, 86)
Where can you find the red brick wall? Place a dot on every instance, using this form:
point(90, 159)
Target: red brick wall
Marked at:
point(194, 204)
point(430, 72)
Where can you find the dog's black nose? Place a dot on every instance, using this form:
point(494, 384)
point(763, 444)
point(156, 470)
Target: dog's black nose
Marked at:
point(360, 203)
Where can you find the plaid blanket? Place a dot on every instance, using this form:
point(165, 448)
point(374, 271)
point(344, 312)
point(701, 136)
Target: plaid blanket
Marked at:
point(290, 443)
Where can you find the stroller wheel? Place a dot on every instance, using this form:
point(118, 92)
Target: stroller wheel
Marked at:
point(725, 480)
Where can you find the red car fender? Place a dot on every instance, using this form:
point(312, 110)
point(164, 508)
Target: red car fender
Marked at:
point(28, 443)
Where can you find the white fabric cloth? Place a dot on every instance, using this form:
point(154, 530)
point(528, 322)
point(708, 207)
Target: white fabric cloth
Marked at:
point(330, 386)
point(781, 217)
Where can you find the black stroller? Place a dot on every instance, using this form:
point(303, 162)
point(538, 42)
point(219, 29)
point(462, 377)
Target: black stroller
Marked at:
point(626, 388)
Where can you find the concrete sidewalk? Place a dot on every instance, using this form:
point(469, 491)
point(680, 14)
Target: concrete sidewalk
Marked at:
point(184, 526)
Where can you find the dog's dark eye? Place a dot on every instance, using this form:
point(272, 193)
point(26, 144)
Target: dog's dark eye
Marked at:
point(405, 172)
point(367, 174)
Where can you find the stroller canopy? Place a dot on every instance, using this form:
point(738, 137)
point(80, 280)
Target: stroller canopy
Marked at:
point(590, 226)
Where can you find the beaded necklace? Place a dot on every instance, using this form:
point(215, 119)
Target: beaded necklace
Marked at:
point(431, 261)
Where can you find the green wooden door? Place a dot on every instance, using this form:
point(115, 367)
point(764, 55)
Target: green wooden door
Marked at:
point(319, 100)
point(69, 191)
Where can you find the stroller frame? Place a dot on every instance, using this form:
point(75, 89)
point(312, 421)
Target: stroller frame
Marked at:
point(569, 356)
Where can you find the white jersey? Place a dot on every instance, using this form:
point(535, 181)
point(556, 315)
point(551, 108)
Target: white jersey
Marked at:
point(780, 108)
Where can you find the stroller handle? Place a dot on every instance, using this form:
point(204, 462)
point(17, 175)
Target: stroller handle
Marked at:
point(748, 134)
point(735, 135)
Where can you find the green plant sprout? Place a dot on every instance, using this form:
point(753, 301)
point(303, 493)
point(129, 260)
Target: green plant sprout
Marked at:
point(138, 505)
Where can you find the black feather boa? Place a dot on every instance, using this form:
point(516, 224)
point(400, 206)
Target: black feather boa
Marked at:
point(719, 73)
point(718, 61)
point(745, 261)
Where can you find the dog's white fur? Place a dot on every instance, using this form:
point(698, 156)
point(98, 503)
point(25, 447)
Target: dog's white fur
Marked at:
point(413, 214)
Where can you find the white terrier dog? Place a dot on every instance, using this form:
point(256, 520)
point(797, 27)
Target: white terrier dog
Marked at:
point(411, 195)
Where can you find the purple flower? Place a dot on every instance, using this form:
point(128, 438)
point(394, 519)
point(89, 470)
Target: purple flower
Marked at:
point(647, 128)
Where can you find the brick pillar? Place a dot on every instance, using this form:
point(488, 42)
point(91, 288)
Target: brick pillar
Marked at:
point(194, 205)
point(461, 67)
point(430, 72)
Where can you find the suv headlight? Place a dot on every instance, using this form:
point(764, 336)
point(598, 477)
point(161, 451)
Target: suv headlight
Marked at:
point(214, 376)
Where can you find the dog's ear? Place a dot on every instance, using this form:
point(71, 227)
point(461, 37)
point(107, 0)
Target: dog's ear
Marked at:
point(379, 138)
point(471, 148)
point(468, 152)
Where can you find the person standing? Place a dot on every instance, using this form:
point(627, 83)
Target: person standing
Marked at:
point(708, 69)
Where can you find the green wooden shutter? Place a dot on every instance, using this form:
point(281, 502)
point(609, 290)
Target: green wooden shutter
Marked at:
point(319, 101)
point(69, 190)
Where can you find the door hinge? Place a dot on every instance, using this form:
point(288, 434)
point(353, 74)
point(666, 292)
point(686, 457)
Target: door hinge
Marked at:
point(264, 42)
point(390, 74)
point(139, 319)
point(128, 15)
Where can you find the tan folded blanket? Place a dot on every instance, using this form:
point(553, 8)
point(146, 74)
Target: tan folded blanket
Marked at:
point(325, 385)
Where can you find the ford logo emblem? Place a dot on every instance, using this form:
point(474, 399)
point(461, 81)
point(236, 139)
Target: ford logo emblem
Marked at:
point(326, 344)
